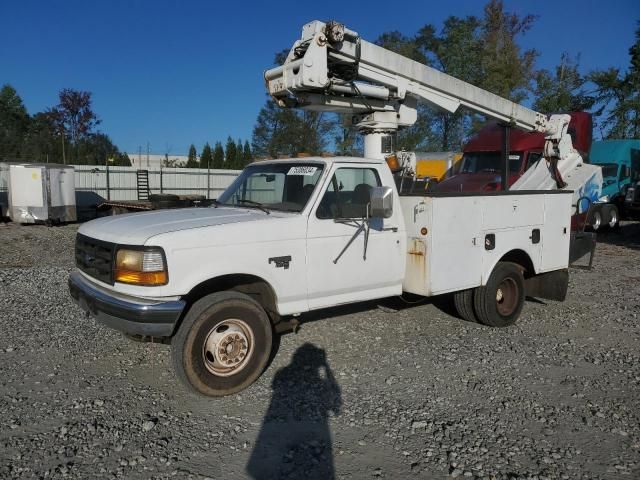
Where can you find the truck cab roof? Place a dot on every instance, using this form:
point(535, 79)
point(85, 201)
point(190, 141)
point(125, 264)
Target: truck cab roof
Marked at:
point(328, 161)
point(613, 151)
point(489, 138)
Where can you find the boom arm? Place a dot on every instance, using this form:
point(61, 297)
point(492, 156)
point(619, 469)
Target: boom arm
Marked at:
point(332, 69)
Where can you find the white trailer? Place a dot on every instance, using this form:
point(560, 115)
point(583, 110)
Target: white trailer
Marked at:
point(40, 192)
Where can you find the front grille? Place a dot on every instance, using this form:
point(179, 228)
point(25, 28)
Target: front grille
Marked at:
point(95, 258)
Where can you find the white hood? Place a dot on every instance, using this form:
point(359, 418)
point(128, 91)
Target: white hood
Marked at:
point(137, 228)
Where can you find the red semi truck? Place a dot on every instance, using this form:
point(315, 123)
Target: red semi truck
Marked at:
point(482, 155)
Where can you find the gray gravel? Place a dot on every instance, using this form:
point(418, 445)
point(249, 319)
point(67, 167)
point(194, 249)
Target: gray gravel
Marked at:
point(413, 392)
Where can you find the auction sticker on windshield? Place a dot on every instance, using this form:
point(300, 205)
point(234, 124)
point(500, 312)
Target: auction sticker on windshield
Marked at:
point(307, 171)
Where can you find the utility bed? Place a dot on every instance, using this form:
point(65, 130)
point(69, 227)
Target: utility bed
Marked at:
point(454, 240)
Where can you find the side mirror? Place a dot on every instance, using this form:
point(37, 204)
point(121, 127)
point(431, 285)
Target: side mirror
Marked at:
point(381, 202)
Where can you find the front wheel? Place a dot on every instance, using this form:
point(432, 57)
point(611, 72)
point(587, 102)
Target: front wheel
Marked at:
point(500, 301)
point(223, 344)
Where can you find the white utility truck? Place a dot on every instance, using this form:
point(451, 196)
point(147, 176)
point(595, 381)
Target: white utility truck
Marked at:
point(294, 235)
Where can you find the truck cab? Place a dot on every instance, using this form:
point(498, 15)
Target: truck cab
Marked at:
point(631, 208)
point(620, 162)
point(482, 158)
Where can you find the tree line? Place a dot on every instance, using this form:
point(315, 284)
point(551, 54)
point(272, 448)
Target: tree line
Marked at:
point(486, 52)
point(64, 133)
point(234, 156)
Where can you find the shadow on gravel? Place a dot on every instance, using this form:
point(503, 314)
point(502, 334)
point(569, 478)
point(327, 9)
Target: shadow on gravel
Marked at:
point(444, 303)
point(626, 235)
point(295, 440)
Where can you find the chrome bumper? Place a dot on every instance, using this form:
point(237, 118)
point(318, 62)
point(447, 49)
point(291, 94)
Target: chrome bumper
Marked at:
point(132, 316)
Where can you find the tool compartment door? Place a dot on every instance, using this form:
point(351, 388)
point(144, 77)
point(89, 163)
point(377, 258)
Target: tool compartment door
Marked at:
point(556, 232)
point(456, 244)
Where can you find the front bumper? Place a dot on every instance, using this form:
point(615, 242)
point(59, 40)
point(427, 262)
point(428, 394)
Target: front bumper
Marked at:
point(129, 315)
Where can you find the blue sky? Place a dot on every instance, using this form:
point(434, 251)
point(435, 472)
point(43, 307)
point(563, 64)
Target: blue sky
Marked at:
point(173, 73)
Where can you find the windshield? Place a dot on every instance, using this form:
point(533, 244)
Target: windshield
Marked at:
point(609, 169)
point(489, 162)
point(275, 186)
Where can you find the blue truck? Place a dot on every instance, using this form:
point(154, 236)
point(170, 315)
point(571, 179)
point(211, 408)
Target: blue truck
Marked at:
point(620, 162)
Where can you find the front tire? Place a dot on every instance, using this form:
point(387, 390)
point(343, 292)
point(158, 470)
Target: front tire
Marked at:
point(223, 344)
point(500, 301)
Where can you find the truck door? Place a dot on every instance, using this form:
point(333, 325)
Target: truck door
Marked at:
point(337, 215)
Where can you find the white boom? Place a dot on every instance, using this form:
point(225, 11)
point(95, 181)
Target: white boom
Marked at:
point(332, 69)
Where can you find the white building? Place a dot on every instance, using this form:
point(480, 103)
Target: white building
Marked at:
point(152, 161)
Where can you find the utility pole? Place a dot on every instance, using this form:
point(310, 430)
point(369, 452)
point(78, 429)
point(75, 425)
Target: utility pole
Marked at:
point(139, 157)
point(147, 155)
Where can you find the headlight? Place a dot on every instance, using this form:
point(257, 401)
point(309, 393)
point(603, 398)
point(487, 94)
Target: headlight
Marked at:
point(141, 267)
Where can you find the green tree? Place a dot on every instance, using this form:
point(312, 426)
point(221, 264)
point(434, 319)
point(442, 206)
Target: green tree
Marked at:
point(41, 142)
point(482, 51)
point(347, 141)
point(121, 160)
point(96, 149)
point(617, 96)
point(239, 151)
point(74, 119)
point(246, 154)
point(218, 156)
point(231, 154)
point(288, 132)
point(192, 157)
point(562, 91)
point(14, 124)
point(506, 70)
point(206, 157)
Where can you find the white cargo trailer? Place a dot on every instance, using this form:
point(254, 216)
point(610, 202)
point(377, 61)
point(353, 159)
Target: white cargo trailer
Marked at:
point(40, 193)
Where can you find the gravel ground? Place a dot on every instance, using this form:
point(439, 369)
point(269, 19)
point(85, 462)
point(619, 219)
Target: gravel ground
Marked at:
point(358, 392)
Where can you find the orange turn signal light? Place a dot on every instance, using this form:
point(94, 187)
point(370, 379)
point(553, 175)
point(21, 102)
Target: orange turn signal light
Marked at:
point(141, 278)
point(392, 162)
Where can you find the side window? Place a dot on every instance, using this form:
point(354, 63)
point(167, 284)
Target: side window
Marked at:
point(347, 195)
point(532, 159)
point(625, 172)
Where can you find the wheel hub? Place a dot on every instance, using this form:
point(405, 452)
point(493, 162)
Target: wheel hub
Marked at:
point(228, 347)
point(507, 297)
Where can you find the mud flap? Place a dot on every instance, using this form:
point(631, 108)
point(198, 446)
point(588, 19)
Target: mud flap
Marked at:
point(550, 286)
point(581, 245)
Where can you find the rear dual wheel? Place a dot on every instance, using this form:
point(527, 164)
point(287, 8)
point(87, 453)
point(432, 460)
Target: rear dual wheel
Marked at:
point(499, 302)
point(463, 301)
point(223, 344)
point(613, 216)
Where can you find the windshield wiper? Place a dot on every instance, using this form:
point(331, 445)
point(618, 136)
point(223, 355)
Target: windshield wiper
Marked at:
point(256, 204)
